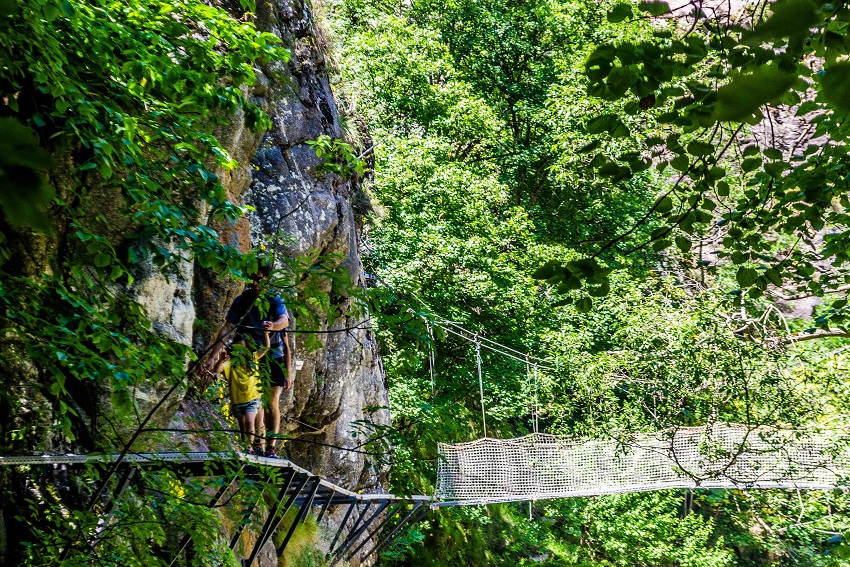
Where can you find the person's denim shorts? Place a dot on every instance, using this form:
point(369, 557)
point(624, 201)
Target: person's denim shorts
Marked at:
point(238, 410)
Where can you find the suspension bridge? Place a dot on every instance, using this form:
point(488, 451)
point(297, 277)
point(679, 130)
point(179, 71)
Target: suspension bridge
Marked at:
point(538, 466)
point(486, 471)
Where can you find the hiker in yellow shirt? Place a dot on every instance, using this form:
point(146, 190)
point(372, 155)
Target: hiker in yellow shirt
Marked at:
point(241, 369)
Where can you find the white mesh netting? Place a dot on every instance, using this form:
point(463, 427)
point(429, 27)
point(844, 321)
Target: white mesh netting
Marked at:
point(541, 466)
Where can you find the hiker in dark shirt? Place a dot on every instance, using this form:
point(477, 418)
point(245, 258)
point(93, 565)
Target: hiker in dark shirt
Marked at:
point(251, 324)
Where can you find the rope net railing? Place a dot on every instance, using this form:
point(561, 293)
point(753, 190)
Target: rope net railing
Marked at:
point(541, 466)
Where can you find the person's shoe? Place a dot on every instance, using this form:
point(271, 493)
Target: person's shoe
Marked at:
point(271, 453)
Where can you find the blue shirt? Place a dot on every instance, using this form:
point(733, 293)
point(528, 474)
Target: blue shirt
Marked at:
point(250, 325)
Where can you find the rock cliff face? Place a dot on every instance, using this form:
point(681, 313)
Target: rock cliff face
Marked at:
point(299, 213)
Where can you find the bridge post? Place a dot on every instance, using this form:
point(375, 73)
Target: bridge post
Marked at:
point(187, 538)
point(325, 506)
point(341, 527)
point(249, 511)
point(350, 530)
point(127, 474)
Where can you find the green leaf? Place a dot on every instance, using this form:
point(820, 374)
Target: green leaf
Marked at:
point(835, 85)
point(587, 148)
point(751, 164)
point(680, 163)
point(600, 290)
point(584, 305)
point(683, 243)
point(619, 80)
point(745, 94)
point(584, 268)
point(604, 123)
point(619, 13)
point(746, 276)
point(739, 257)
point(122, 403)
point(699, 148)
point(774, 276)
point(600, 61)
point(546, 271)
point(570, 283)
point(662, 244)
point(8, 8)
point(25, 193)
point(789, 18)
point(665, 205)
point(654, 8)
point(619, 130)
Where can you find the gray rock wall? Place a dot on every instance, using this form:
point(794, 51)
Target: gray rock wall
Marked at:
point(341, 373)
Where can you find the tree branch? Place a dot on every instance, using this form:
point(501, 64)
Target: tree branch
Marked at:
point(798, 337)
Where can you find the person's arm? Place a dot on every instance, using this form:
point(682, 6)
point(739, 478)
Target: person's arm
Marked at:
point(267, 344)
point(278, 324)
point(287, 360)
point(217, 346)
point(219, 367)
point(282, 321)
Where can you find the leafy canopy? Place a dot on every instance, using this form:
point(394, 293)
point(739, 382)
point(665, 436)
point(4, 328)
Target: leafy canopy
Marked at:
point(706, 97)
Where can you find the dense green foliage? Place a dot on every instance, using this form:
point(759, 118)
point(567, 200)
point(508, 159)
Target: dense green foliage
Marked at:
point(522, 189)
point(486, 117)
point(705, 87)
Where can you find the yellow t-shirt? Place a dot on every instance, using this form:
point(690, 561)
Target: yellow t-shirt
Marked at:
point(243, 380)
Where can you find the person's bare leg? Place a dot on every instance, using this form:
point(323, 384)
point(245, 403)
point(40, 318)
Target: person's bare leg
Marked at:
point(248, 430)
point(260, 431)
point(273, 418)
point(243, 428)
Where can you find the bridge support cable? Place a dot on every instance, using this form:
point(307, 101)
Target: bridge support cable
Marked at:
point(265, 531)
point(391, 533)
point(387, 517)
point(480, 384)
point(343, 544)
point(355, 534)
point(300, 517)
